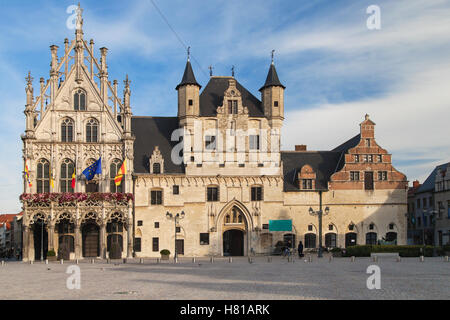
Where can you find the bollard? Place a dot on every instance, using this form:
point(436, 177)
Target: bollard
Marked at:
point(399, 259)
point(108, 261)
point(211, 260)
point(175, 260)
point(76, 261)
point(31, 261)
point(269, 259)
point(158, 260)
point(61, 261)
point(193, 260)
point(352, 259)
point(330, 258)
point(230, 260)
point(92, 261)
point(250, 260)
point(375, 258)
point(3, 262)
point(124, 260)
point(46, 261)
point(141, 261)
point(309, 258)
point(421, 259)
point(446, 258)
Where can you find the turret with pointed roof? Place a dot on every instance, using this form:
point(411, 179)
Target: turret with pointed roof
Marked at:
point(188, 93)
point(272, 95)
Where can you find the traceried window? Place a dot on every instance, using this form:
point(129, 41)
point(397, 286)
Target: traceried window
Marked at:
point(67, 169)
point(42, 176)
point(113, 170)
point(79, 100)
point(67, 130)
point(92, 130)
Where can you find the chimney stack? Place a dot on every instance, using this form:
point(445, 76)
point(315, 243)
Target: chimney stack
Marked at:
point(416, 184)
point(300, 147)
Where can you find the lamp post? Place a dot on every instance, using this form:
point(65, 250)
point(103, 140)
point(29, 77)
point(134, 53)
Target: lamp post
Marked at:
point(175, 218)
point(319, 213)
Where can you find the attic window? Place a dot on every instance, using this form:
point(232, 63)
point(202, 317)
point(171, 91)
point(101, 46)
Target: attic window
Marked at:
point(156, 162)
point(368, 142)
point(232, 107)
point(306, 184)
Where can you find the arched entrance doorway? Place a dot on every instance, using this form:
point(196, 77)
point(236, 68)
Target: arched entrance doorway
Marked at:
point(40, 236)
point(90, 233)
point(233, 243)
point(234, 230)
point(350, 239)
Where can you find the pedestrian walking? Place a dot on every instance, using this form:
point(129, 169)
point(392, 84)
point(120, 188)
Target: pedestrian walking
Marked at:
point(300, 249)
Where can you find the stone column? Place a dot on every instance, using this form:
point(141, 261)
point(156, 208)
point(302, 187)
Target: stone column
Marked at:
point(30, 244)
point(78, 244)
point(25, 243)
point(51, 235)
point(102, 240)
point(130, 238)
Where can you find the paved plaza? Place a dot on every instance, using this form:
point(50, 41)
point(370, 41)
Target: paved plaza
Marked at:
point(278, 279)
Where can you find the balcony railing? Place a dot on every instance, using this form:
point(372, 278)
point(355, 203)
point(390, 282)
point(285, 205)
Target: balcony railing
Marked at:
point(44, 200)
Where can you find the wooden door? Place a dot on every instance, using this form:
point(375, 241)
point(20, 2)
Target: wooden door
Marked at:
point(180, 246)
point(91, 239)
point(368, 180)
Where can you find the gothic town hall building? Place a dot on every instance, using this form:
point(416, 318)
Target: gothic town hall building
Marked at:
point(227, 185)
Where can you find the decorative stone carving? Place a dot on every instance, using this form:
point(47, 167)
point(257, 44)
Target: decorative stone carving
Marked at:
point(156, 158)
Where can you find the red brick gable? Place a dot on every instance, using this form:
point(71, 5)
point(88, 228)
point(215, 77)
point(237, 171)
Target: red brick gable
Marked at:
point(367, 166)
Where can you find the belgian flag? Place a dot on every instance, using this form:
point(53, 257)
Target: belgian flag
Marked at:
point(120, 174)
point(73, 179)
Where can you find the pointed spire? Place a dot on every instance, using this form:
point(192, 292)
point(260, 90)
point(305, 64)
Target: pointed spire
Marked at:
point(79, 25)
point(210, 70)
point(232, 71)
point(188, 76)
point(272, 77)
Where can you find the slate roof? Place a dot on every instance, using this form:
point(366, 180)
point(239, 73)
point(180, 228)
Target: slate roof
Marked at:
point(272, 78)
point(212, 97)
point(151, 132)
point(323, 163)
point(188, 76)
point(429, 184)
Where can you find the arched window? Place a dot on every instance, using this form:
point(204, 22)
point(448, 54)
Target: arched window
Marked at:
point(240, 218)
point(92, 130)
point(227, 218)
point(67, 169)
point(310, 240)
point(371, 238)
point(234, 216)
point(92, 185)
point(391, 237)
point(156, 168)
point(79, 100)
point(67, 130)
point(42, 176)
point(113, 170)
point(330, 240)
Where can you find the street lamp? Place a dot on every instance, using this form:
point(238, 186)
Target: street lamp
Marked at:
point(319, 213)
point(175, 217)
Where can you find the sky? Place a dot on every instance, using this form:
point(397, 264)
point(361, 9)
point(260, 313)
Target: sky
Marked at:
point(334, 67)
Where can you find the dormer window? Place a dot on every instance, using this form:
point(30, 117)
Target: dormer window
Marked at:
point(367, 142)
point(356, 157)
point(307, 178)
point(79, 100)
point(156, 162)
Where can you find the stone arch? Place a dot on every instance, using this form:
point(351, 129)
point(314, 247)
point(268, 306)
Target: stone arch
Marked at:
point(241, 207)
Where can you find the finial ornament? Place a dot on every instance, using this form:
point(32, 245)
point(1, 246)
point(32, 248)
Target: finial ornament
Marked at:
point(273, 51)
point(29, 79)
point(367, 116)
point(127, 82)
point(79, 17)
point(189, 53)
point(232, 71)
point(210, 70)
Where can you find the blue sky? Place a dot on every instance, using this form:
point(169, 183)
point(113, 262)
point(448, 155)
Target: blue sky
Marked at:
point(334, 68)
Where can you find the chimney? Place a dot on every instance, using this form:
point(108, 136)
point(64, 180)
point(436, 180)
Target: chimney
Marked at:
point(300, 147)
point(416, 184)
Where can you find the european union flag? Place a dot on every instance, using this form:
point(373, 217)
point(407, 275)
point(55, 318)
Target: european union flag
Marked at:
point(93, 169)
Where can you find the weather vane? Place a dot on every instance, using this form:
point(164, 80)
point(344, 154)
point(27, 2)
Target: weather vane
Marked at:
point(232, 71)
point(189, 53)
point(210, 70)
point(272, 55)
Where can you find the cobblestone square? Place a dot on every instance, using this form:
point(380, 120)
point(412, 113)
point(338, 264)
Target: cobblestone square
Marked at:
point(203, 280)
